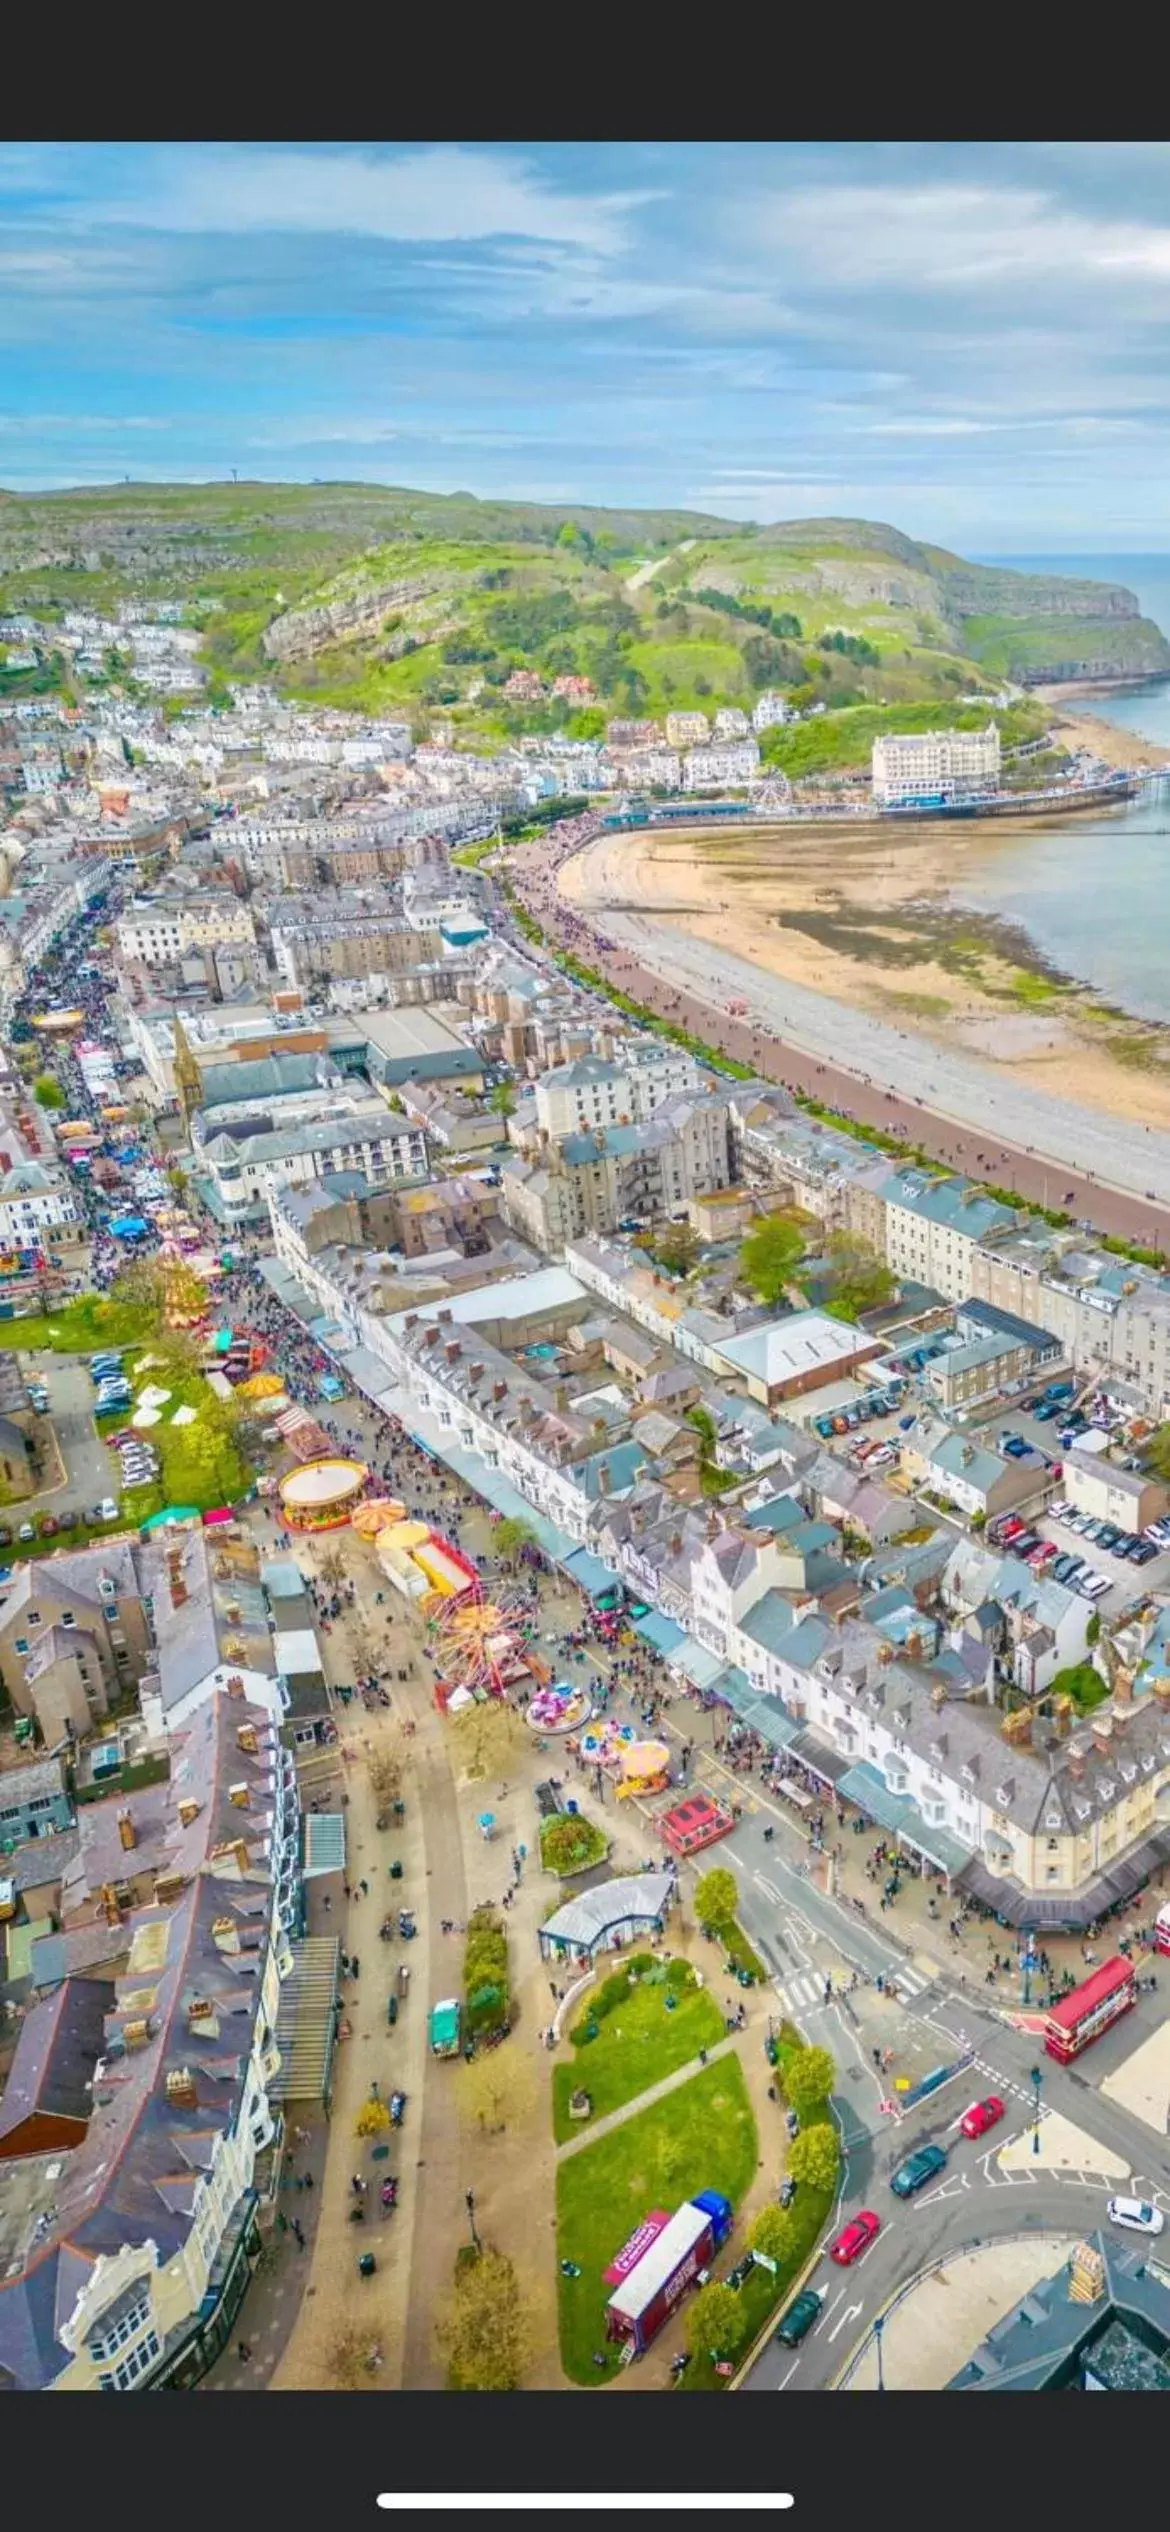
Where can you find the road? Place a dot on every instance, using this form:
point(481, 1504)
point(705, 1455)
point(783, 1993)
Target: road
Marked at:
point(959, 1110)
point(806, 1938)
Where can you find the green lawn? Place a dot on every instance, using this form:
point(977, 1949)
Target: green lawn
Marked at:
point(637, 2044)
point(83, 1326)
point(701, 2137)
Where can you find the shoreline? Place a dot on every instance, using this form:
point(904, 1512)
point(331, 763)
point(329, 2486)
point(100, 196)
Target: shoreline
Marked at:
point(876, 923)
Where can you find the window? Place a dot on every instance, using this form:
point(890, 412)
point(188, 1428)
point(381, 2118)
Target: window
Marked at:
point(120, 2324)
point(136, 2362)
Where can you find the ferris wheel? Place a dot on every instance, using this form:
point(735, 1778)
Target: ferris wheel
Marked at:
point(480, 1643)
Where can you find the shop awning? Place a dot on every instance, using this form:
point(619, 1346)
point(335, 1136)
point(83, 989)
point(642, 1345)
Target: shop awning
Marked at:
point(324, 1843)
point(589, 1574)
point(698, 1665)
point(865, 1786)
point(306, 2020)
point(768, 1718)
point(827, 1765)
point(664, 1634)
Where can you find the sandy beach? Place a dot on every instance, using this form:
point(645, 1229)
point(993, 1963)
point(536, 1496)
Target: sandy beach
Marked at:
point(872, 916)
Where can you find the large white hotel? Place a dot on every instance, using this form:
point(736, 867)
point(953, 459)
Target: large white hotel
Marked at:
point(937, 766)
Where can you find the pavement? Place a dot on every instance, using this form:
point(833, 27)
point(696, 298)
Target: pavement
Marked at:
point(936, 2327)
point(961, 1110)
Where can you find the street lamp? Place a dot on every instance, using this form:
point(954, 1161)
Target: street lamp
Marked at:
point(878, 2328)
point(1037, 2080)
point(475, 2240)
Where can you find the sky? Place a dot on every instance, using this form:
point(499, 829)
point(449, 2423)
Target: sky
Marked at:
point(971, 341)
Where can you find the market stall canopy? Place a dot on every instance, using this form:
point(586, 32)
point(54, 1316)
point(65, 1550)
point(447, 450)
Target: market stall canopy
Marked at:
point(172, 1512)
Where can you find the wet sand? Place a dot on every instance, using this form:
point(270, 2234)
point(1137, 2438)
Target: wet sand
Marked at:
point(871, 915)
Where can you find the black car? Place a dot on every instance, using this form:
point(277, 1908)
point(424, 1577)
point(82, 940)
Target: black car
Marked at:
point(1141, 1554)
point(799, 2318)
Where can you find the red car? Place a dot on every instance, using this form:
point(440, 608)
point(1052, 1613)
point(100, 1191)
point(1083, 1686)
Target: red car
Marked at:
point(856, 2238)
point(982, 2115)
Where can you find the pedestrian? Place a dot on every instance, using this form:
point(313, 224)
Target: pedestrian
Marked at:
point(300, 2239)
point(364, 1888)
point(244, 2352)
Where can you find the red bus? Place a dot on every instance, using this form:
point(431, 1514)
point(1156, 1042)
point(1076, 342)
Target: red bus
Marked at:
point(1162, 1929)
point(1091, 2007)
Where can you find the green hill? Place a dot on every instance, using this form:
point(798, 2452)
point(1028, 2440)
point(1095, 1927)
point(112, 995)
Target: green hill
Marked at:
point(386, 599)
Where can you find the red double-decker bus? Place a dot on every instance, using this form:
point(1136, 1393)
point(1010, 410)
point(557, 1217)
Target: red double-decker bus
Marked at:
point(1091, 2007)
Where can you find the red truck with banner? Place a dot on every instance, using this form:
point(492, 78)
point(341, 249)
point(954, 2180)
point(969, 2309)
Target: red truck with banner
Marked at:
point(649, 2292)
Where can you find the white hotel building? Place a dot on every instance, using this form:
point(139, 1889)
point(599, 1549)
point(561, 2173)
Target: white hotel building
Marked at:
point(935, 766)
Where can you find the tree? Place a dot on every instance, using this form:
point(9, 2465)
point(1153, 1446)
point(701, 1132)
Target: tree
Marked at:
point(332, 1565)
point(384, 1769)
point(497, 2090)
point(373, 2119)
point(486, 2332)
point(511, 1536)
point(774, 2232)
point(813, 2156)
point(770, 1255)
point(503, 1099)
point(716, 2323)
point(1158, 1452)
point(570, 1844)
point(487, 1737)
point(859, 1279)
point(366, 1656)
point(47, 1091)
point(347, 2357)
point(717, 1898)
point(677, 1248)
point(809, 2076)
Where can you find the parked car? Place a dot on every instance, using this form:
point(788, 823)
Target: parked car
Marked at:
point(917, 2170)
point(855, 2238)
point(1145, 1549)
point(799, 2318)
point(107, 1509)
point(982, 2115)
point(1136, 2214)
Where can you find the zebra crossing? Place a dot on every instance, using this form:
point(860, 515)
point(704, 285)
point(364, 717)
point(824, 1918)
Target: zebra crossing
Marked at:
point(806, 1988)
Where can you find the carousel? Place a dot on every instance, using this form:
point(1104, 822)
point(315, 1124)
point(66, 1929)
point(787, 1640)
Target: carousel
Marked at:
point(322, 1494)
point(563, 1707)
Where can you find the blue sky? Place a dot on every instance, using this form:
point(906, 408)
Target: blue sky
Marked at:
point(972, 341)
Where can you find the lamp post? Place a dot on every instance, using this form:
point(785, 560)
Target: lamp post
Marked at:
point(475, 2240)
point(1037, 2080)
point(878, 2330)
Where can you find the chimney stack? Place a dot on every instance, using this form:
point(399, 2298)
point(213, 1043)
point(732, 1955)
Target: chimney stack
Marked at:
point(127, 1831)
point(180, 2089)
point(246, 1739)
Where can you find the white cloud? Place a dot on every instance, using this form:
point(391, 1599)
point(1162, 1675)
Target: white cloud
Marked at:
point(424, 196)
point(945, 236)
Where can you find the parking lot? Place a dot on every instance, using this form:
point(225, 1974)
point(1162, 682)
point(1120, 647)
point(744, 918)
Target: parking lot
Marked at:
point(1128, 1579)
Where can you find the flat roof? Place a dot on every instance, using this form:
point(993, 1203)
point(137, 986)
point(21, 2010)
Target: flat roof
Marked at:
point(786, 1349)
point(411, 1029)
point(516, 1297)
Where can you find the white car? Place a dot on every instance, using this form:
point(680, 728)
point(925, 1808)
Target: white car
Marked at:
point(1136, 2214)
point(108, 1511)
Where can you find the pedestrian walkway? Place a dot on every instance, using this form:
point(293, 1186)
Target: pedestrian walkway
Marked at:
point(268, 2314)
point(644, 2100)
point(807, 1988)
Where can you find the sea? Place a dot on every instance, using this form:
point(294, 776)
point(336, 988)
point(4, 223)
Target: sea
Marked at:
point(1094, 895)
